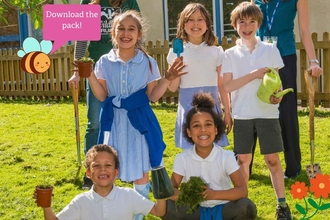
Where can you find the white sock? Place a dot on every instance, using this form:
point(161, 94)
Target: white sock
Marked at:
point(142, 189)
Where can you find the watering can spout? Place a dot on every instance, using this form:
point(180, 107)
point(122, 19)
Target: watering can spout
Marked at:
point(282, 93)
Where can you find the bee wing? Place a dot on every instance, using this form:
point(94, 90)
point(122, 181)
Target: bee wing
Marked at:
point(30, 44)
point(21, 53)
point(46, 46)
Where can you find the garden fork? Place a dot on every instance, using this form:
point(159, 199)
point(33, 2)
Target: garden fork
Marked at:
point(76, 116)
point(313, 168)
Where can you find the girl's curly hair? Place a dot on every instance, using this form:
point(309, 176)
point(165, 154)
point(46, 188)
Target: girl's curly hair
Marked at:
point(203, 102)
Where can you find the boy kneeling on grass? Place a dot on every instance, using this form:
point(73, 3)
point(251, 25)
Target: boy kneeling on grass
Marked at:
point(105, 200)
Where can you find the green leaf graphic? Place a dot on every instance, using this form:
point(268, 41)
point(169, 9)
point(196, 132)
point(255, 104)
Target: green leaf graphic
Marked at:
point(313, 203)
point(325, 206)
point(300, 209)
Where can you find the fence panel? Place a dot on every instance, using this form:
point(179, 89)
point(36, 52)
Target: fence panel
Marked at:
point(322, 51)
point(14, 82)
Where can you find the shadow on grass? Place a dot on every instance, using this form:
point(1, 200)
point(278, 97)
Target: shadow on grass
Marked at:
point(265, 179)
point(69, 180)
point(261, 178)
point(165, 106)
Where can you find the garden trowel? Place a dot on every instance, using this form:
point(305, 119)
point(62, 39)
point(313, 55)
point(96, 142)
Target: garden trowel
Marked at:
point(177, 46)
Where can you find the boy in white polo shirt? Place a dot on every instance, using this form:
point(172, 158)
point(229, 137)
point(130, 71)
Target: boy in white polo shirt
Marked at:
point(105, 201)
point(243, 68)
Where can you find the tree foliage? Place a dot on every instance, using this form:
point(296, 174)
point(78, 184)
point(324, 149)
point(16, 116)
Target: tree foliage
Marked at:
point(31, 7)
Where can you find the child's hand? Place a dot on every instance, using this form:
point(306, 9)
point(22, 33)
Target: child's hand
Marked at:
point(274, 100)
point(259, 73)
point(75, 77)
point(228, 122)
point(208, 193)
point(35, 196)
point(175, 70)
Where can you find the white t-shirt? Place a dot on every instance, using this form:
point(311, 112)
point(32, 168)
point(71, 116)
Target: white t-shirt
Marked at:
point(120, 204)
point(214, 169)
point(240, 62)
point(201, 61)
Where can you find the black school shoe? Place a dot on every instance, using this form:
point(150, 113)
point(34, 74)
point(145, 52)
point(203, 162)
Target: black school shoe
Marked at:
point(291, 177)
point(283, 213)
point(87, 183)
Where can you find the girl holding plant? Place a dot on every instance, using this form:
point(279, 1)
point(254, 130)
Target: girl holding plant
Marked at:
point(216, 166)
point(125, 80)
point(109, 8)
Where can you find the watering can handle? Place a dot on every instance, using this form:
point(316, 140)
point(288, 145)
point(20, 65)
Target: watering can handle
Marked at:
point(273, 70)
point(283, 92)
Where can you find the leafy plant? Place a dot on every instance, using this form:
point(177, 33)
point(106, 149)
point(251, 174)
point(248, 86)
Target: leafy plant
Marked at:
point(46, 183)
point(85, 60)
point(191, 193)
point(44, 186)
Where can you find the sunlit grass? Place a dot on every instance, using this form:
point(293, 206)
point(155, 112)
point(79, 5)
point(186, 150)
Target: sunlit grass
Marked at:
point(37, 142)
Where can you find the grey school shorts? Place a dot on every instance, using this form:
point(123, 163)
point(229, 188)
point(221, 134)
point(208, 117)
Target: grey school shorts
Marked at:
point(268, 132)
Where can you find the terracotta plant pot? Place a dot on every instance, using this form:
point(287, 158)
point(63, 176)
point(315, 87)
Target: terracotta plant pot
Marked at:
point(161, 184)
point(44, 196)
point(85, 69)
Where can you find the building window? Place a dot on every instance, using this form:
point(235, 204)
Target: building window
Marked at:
point(219, 10)
point(174, 9)
point(228, 6)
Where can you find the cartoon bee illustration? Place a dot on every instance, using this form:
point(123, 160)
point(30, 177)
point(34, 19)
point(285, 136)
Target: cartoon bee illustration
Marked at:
point(34, 55)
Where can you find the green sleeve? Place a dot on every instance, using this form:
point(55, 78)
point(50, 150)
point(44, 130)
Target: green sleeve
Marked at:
point(84, 2)
point(130, 5)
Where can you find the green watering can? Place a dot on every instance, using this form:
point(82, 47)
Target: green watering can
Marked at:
point(270, 85)
point(161, 184)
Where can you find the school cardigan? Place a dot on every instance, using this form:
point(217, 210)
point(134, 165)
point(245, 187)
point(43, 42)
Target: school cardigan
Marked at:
point(142, 119)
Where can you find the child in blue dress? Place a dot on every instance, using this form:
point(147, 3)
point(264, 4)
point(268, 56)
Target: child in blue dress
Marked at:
point(109, 8)
point(126, 80)
point(203, 61)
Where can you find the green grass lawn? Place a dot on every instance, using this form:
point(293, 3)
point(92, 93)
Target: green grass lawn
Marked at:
point(37, 142)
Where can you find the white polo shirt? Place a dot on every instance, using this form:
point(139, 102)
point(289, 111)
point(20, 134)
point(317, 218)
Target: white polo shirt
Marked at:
point(240, 61)
point(120, 204)
point(214, 169)
point(202, 62)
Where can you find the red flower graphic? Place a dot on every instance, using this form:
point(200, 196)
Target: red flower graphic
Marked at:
point(298, 190)
point(320, 185)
